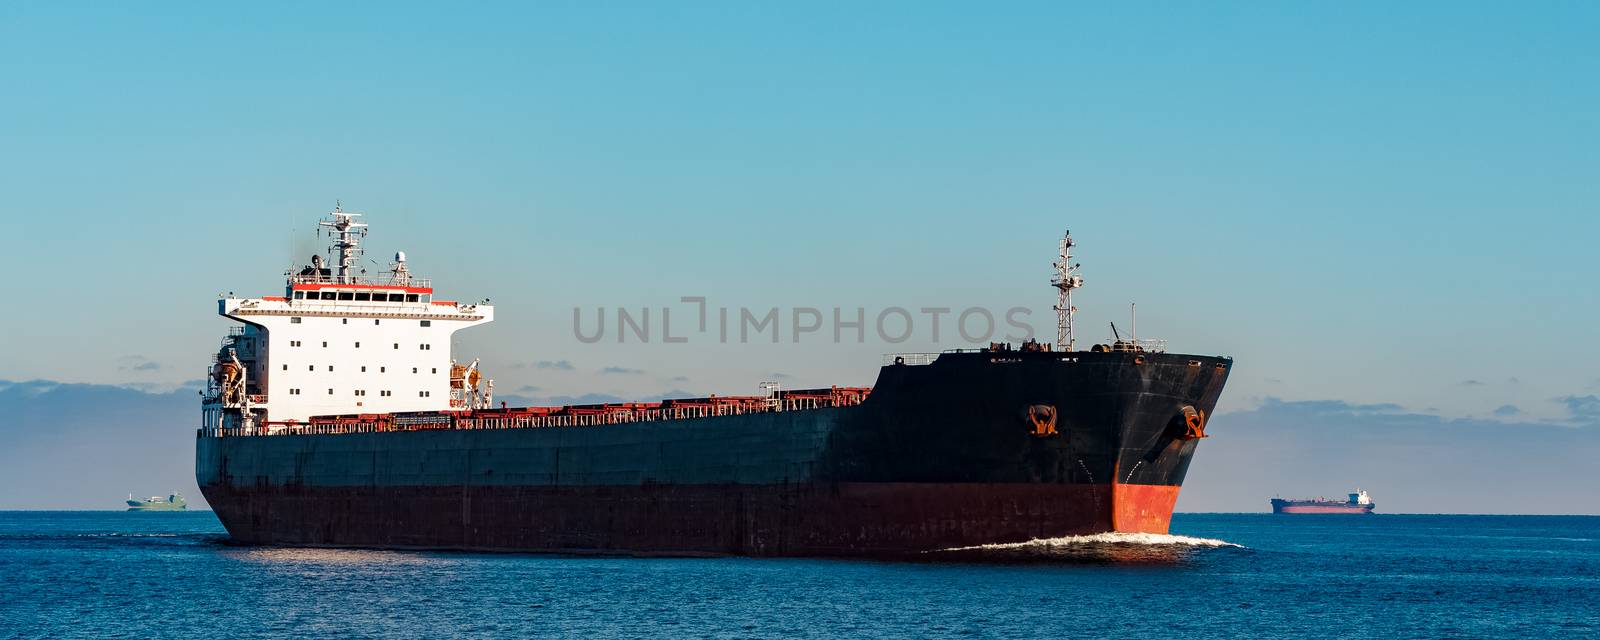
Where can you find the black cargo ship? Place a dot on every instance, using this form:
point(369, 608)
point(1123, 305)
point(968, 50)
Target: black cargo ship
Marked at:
point(956, 449)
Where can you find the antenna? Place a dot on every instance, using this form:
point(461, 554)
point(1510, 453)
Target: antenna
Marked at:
point(1065, 280)
point(348, 242)
point(397, 271)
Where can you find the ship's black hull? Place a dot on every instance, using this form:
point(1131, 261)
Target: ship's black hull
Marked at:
point(976, 448)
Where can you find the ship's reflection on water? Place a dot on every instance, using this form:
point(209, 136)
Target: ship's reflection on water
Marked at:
point(1105, 548)
point(320, 556)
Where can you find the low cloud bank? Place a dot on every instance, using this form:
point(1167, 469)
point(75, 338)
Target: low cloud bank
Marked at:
point(1411, 462)
point(87, 446)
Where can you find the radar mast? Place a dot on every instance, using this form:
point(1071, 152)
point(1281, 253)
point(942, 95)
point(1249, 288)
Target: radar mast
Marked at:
point(1065, 280)
point(347, 240)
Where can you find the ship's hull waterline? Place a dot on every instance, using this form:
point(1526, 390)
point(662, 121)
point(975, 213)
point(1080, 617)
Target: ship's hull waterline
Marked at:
point(846, 519)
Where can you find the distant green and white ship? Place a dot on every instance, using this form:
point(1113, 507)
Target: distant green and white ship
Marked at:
point(173, 502)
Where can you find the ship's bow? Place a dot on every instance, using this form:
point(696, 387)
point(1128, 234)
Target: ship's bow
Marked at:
point(1102, 441)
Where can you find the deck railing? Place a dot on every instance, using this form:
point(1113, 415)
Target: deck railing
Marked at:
point(910, 358)
point(540, 417)
point(1150, 346)
point(370, 281)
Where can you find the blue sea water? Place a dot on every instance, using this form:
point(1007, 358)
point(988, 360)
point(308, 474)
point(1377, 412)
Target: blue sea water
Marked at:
point(153, 575)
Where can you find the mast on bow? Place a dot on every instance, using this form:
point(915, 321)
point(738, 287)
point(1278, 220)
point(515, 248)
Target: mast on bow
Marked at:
point(1065, 280)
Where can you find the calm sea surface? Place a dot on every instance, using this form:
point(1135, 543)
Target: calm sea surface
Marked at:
point(147, 575)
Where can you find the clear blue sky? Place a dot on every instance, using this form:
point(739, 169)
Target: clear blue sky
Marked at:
point(1364, 202)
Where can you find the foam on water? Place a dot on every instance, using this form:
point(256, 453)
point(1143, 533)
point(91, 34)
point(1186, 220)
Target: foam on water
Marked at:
point(1100, 539)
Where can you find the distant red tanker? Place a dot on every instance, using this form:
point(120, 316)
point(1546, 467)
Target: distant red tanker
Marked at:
point(1359, 502)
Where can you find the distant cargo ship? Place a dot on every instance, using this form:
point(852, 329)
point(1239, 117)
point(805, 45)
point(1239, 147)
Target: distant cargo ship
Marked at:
point(1359, 502)
point(174, 502)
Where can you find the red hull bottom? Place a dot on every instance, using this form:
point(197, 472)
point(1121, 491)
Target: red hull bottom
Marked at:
point(808, 520)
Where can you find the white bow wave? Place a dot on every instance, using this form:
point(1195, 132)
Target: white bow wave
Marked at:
point(1152, 539)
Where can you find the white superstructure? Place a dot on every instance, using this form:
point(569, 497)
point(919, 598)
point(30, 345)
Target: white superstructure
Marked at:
point(339, 343)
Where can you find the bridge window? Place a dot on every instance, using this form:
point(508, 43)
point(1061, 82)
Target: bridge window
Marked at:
point(346, 295)
point(327, 295)
point(299, 295)
point(397, 297)
point(411, 297)
point(363, 297)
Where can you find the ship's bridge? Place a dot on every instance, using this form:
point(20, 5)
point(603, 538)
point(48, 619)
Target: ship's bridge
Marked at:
point(341, 341)
point(316, 282)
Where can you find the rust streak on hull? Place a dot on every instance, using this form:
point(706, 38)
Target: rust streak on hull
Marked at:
point(1143, 508)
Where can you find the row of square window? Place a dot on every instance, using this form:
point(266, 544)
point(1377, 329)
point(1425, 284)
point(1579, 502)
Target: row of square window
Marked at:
point(298, 320)
point(312, 367)
point(423, 347)
point(363, 392)
point(361, 296)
